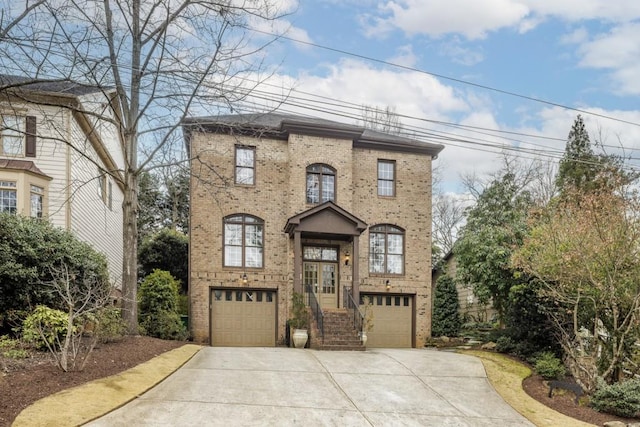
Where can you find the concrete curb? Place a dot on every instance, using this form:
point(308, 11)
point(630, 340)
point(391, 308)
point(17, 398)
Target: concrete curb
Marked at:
point(507, 381)
point(79, 405)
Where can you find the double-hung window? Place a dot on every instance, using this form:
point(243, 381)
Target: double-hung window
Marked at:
point(37, 194)
point(245, 172)
point(18, 136)
point(386, 250)
point(386, 178)
point(321, 183)
point(8, 197)
point(13, 131)
point(243, 241)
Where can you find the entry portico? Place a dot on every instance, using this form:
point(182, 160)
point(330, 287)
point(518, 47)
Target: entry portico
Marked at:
point(324, 223)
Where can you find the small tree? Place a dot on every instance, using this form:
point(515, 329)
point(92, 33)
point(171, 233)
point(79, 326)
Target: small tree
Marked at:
point(446, 320)
point(84, 296)
point(159, 306)
point(584, 250)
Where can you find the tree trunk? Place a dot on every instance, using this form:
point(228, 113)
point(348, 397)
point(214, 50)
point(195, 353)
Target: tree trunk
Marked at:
point(130, 252)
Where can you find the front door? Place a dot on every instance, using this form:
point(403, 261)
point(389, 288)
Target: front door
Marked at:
point(320, 274)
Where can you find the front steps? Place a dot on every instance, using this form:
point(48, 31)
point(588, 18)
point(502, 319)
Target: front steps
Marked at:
point(339, 333)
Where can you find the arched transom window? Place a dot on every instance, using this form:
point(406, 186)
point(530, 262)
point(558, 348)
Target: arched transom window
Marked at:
point(321, 183)
point(243, 241)
point(386, 249)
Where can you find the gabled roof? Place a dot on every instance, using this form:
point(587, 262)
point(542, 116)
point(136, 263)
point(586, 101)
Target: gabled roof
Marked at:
point(327, 219)
point(59, 87)
point(277, 125)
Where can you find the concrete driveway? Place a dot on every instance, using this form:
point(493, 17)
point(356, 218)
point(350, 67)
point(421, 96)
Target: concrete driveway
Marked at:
point(283, 386)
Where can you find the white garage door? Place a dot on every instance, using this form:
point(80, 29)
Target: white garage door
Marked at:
point(392, 321)
point(243, 318)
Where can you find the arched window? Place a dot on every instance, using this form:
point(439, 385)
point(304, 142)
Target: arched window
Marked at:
point(321, 183)
point(243, 241)
point(386, 249)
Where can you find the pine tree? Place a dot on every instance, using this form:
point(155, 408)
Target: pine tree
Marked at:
point(579, 165)
point(446, 320)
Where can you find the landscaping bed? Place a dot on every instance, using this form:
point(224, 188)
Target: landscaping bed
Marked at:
point(24, 381)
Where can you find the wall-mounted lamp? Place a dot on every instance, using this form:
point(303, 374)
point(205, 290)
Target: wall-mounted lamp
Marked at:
point(244, 279)
point(388, 285)
point(346, 258)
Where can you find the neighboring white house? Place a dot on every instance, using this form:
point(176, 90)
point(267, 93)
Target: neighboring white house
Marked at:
point(59, 160)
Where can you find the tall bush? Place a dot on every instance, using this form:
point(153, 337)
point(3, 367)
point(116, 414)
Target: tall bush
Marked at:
point(166, 250)
point(446, 320)
point(31, 250)
point(158, 306)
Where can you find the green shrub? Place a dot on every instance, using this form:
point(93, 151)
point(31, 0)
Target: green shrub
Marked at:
point(549, 367)
point(158, 302)
point(12, 348)
point(45, 327)
point(111, 325)
point(31, 250)
point(446, 320)
point(621, 399)
point(165, 325)
point(505, 344)
point(166, 250)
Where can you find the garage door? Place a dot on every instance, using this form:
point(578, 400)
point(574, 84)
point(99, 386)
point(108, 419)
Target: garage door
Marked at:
point(243, 318)
point(392, 321)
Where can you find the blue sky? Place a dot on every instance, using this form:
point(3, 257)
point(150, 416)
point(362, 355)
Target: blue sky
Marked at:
point(583, 54)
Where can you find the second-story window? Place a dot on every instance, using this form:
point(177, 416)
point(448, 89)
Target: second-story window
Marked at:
point(12, 136)
point(386, 178)
point(321, 183)
point(18, 136)
point(245, 165)
point(386, 249)
point(243, 241)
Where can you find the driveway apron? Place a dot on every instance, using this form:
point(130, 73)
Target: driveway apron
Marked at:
point(224, 386)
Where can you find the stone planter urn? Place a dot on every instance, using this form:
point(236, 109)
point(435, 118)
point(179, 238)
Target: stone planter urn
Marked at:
point(300, 337)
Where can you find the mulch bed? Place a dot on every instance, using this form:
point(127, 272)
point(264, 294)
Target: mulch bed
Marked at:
point(564, 402)
point(23, 382)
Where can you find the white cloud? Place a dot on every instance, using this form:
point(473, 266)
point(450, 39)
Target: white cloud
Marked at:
point(474, 19)
point(471, 18)
point(462, 55)
point(404, 57)
point(618, 51)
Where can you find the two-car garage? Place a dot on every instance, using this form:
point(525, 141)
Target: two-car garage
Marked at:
point(248, 318)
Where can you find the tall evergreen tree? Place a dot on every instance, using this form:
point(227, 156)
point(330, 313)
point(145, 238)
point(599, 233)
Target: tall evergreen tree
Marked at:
point(579, 165)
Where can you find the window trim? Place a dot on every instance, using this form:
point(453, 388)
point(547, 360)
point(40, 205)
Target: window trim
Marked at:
point(10, 186)
point(320, 175)
point(252, 167)
point(388, 229)
point(243, 223)
point(36, 190)
point(393, 180)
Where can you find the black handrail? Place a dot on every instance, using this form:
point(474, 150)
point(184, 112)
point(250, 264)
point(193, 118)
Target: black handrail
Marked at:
point(350, 305)
point(316, 310)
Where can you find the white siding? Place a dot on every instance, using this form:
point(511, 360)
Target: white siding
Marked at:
point(65, 154)
point(92, 220)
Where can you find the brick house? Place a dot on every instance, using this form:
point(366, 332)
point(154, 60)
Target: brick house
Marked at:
point(59, 162)
point(334, 211)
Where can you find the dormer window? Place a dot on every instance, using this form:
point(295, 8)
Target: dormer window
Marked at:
point(321, 183)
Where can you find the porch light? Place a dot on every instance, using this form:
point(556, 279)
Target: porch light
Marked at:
point(244, 279)
point(346, 258)
point(388, 285)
